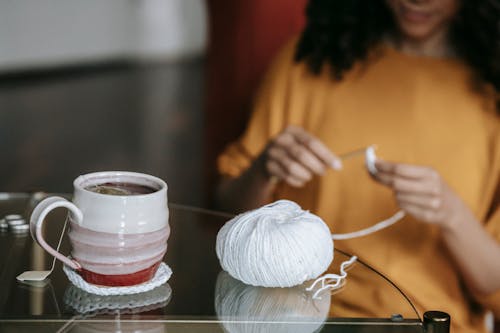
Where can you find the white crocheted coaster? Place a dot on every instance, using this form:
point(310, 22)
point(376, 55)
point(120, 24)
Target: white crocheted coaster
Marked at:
point(161, 276)
point(90, 305)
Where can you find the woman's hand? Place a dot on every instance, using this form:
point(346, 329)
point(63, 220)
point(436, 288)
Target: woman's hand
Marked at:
point(421, 192)
point(295, 156)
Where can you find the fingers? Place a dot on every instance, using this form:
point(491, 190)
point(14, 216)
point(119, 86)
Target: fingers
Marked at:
point(300, 153)
point(316, 147)
point(276, 170)
point(419, 186)
point(295, 156)
point(408, 178)
point(285, 167)
point(423, 201)
point(421, 213)
point(402, 170)
point(420, 191)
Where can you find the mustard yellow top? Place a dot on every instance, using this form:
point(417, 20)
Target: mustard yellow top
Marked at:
point(417, 110)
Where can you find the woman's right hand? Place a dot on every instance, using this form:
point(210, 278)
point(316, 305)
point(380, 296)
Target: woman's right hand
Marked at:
point(295, 156)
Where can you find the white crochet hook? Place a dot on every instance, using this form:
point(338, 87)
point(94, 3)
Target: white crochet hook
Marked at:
point(353, 153)
point(356, 152)
point(370, 157)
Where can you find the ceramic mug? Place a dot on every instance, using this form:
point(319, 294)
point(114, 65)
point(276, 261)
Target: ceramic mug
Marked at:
point(118, 235)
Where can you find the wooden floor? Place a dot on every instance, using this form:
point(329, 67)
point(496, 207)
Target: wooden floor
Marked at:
point(148, 118)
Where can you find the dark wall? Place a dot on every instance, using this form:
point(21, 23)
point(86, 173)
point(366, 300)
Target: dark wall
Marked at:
point(243, 38)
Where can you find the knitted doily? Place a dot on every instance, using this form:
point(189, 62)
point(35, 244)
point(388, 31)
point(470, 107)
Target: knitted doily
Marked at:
point(161, 276)
point(89, 304)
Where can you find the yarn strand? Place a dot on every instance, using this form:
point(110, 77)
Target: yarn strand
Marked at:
point(370, 230)
point(326, 279)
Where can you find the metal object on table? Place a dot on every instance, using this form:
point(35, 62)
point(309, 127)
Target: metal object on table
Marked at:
point(436, 322)
point(15, 223)
point(4, 226)
point(396, 317)
point(13, 217)
point(20, 228)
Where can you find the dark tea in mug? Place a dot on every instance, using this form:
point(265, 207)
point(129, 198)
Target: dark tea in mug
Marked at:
point(120, 188)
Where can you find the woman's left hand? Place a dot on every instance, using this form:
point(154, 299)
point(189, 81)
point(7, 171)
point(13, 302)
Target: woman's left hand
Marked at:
point(421, 192)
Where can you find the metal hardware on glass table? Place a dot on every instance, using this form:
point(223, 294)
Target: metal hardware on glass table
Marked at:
point(4, 226)
point(436, 322)
point(14, 223)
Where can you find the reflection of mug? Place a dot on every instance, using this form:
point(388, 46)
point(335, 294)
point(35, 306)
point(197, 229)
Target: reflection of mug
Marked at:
point(86, 305)
point(118, 326)
point(245, 308)
point(119, 227)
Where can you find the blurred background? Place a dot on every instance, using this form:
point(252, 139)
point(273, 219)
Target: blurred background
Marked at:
point(154, 86)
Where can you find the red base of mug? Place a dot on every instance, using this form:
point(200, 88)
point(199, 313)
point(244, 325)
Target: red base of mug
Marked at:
point(119, 280)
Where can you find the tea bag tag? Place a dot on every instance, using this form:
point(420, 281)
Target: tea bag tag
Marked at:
point(42, 275)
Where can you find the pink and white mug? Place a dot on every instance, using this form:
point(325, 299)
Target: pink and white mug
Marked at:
point(118, 227)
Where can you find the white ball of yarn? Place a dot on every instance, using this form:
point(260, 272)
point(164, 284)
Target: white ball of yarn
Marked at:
point(278, 245)
point(247, 309)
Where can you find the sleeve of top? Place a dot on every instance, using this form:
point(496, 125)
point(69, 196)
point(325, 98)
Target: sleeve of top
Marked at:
point(492, 224)
point(267, 119)
point(492, 301)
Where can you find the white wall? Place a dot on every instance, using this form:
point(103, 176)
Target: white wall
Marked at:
point(37, 33)
point(171, 28)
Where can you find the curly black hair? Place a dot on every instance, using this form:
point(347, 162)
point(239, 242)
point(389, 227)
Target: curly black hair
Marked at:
point(341, 32)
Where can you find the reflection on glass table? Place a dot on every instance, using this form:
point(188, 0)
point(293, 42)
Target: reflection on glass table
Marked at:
point(88, 305)
point(244, 308)
point(198, 297)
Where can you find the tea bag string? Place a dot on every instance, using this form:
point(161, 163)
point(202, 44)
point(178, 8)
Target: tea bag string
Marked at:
point(60, 241)
point(41, 275)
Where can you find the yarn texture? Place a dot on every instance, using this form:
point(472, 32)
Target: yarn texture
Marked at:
point(278, 245)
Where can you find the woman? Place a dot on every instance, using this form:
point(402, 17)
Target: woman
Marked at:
point(421, 79)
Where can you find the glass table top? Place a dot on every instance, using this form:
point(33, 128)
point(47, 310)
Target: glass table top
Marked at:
point(199, 296)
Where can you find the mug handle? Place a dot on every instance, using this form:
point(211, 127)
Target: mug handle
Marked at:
point(37, 219)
